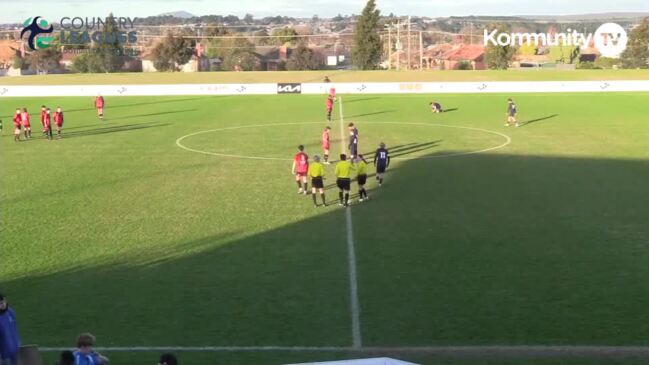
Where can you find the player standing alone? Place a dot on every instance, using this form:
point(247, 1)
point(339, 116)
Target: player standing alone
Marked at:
point(326, 144)
point(300, 169)
point(330, 107)
point(99, 105)
point(511, 113)
point(381, 161)
point(361, 177)
point(58, 121)
point(317, 172)
point(343, 179)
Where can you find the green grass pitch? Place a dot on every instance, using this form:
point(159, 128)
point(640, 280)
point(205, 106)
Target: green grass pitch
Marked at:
point(117, 230)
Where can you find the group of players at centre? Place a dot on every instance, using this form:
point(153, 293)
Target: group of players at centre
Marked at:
point(354, 163)
point(303, 169)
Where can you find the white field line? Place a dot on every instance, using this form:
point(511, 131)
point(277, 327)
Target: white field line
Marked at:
point(357, 339)
point(180, 139)
point(493, 351)
point(507, 140)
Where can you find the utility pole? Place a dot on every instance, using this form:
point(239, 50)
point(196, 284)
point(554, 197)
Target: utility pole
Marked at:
point(471, 30)
point(421, 51)
point(398, 44)
point(390, 46)
point(409, 59)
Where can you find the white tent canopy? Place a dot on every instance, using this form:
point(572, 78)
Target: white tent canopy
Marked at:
point(373, 361)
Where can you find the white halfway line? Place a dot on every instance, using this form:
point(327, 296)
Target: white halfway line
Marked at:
point(357, 339)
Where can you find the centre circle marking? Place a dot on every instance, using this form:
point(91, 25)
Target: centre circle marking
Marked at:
point(507, 140)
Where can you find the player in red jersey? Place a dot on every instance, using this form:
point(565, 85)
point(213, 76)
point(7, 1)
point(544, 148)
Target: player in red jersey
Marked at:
point(24, 120)
point(17, 121)
point(43, 117)
point(300, 169)
point(326, 144)
point(58, 121)
point(332, 90)
point(47, 124)
point(330, 107)
point(99, 105)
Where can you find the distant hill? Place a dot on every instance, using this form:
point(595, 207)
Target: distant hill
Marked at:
point(595, 16)
point(179, 14)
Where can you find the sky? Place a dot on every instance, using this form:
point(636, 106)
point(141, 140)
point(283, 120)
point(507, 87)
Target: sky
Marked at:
point(14, 11)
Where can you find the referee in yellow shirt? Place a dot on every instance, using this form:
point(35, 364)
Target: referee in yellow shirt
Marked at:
point(344, 179)
point(317, 172)
point(361, 177)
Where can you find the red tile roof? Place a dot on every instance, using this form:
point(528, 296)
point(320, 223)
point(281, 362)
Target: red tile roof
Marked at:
point(465, 53)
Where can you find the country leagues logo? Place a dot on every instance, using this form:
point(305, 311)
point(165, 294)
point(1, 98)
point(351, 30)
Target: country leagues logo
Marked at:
point(35, 26)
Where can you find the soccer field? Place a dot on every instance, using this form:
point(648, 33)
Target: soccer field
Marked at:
point(175, 222)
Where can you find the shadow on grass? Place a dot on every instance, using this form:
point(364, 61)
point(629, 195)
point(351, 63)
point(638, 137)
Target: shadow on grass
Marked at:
point(114, 129)
point(112, 104)
point(538, 120)
point(413, 148)
point(352, 100)
point(348, 117)
point(153, 114)
point(485, 249)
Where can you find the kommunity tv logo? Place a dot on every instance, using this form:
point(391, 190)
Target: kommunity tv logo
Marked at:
point(36, 26)
point(609, 39)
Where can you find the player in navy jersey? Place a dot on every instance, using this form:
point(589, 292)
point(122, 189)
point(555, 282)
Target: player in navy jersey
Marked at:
point(353, 141)
point(511, 113)
point(436, 107)
point(381, 161)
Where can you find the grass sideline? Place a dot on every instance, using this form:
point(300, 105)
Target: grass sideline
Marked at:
point(317, 76)
point(146, 244)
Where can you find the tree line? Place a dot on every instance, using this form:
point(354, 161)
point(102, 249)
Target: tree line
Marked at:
point(240, 53)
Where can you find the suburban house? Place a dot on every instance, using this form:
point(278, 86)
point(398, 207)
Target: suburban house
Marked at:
point(198, 62)
point(447, 56)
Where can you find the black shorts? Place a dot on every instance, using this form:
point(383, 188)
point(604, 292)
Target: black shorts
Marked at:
point(317, 182)
point(380, 168)
point(344, 184)
point(362, 179)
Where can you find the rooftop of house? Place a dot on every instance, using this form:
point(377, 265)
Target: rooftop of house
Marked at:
point(8, 50)
point(465, 52)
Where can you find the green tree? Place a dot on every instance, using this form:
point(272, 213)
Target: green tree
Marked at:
point(18, 62)
point(286, 35)
point(636, 54)
point(44, 60)
point(109, 51)
point(262, 38)
point(367, 49)
point(171, 53)
point(239, 52)
point(214, 44)
point(303, 58)
point(498, 57)
point(564, 54)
